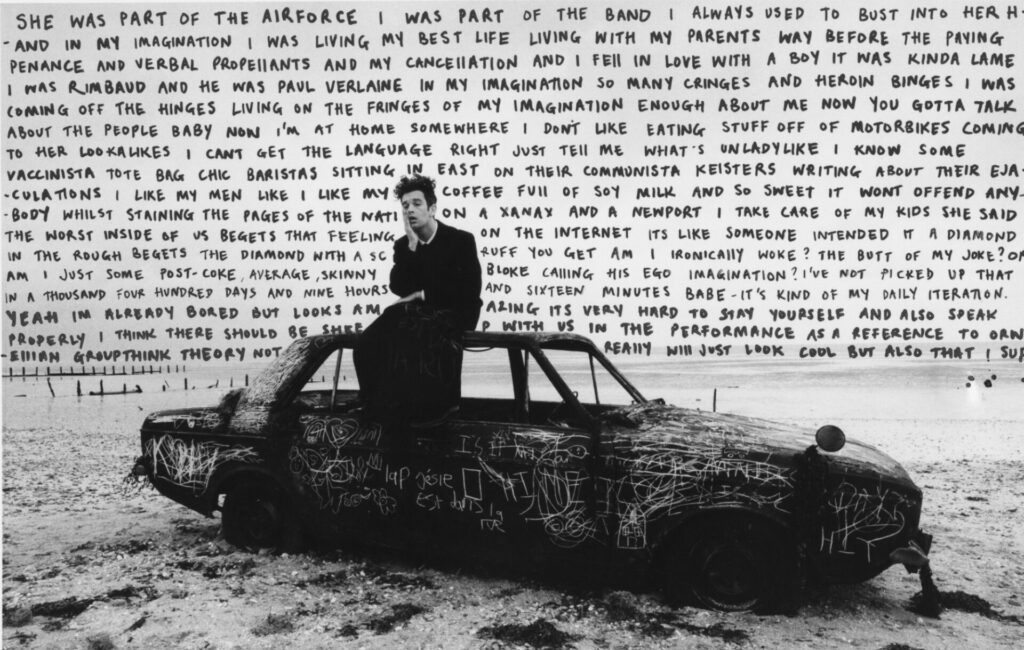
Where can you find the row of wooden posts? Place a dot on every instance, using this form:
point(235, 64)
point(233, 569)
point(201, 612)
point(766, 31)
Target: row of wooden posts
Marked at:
point(138, 389)
point(113, 371)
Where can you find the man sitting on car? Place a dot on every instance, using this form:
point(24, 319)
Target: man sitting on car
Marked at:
point(409, 360)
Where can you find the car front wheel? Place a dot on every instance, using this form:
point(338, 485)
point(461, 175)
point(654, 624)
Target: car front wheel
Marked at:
point(734, 565)
point(254, 515)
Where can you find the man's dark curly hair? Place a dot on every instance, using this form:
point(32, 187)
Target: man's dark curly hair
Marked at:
point(415, 182)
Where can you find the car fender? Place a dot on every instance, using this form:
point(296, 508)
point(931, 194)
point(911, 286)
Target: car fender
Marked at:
point(677, 527)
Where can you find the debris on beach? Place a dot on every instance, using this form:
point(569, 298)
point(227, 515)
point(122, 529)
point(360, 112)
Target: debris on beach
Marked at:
point(24, 638)
point(538, 634)
point(327, 580)
point(275, 624)
point(100, 641)
point(628, 609)
point(400, 613)
point(17, 616)
point(137, 624)
point(399, 580)
point(65, 609)
point(963, 602)
point(348, 630)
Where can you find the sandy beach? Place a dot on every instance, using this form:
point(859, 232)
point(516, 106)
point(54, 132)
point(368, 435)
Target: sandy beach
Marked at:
point(89, 565)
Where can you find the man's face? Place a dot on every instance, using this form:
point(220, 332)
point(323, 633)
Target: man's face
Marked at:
point(416, 210)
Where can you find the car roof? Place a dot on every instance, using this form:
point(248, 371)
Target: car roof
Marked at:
point(287, 370)
point(475, 338)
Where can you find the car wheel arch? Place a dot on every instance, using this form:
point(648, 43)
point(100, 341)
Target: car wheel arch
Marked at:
point(675, 531)
point(230, 475)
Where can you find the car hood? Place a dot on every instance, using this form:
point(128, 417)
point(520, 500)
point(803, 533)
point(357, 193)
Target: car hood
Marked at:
point(654, 424)
point(207, 419)
point(189, 420)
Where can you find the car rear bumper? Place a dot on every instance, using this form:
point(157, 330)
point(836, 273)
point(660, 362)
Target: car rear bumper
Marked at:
point(923, 540)
point(914, 555)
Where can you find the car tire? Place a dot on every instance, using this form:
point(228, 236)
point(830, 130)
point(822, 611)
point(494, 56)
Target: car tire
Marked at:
point(734, 564)
point(254, 515)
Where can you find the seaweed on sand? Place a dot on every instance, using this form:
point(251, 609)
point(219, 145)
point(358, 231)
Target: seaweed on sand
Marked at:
point(400, 613)
point(538, 634)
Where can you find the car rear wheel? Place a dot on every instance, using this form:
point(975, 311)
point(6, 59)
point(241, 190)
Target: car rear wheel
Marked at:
point(733, 564)
point(254, 515)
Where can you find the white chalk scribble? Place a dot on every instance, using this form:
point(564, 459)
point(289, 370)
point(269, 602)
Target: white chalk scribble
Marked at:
point(190, 463)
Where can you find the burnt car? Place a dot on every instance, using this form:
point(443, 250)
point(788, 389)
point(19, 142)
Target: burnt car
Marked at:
point(553, 458)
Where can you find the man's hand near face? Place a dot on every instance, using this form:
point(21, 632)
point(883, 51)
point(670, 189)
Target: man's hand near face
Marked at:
point(411, 234)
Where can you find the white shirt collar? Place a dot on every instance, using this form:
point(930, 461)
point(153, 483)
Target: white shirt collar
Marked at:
point(427, 243)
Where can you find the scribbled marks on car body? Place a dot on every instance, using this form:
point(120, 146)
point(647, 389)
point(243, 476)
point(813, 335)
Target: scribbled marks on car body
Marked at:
point(338, 431)
point(552, 492)
point(191, 463)
point(336, 474)
point(678, 461)
point(862, 518)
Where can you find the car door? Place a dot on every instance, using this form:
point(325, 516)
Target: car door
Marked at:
point(501, 479)
point(352, 471)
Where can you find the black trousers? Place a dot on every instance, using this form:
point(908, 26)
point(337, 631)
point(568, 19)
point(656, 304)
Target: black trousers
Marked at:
point(409, 363)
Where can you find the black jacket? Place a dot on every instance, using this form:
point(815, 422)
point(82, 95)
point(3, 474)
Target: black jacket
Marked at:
point(447, 270)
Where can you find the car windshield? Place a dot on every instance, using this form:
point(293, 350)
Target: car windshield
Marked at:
point(338, 366)
point(267, 386)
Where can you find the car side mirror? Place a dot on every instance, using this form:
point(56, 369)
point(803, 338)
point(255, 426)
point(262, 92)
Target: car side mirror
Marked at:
point(830, 438)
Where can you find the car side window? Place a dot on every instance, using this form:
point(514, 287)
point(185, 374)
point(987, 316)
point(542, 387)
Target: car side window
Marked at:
point(488, 393)
point(547, 406)
point(333, 387)
point(592, 385)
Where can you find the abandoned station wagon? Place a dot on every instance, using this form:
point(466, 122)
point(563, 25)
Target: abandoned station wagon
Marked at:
point(551, 456)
